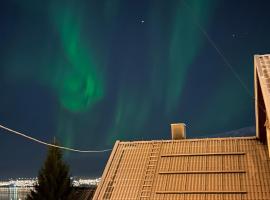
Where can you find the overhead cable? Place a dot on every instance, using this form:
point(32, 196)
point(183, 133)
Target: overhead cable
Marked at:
point(225, 60)
point(49, 144)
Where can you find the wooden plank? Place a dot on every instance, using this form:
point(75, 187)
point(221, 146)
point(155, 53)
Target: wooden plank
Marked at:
point(203, 154)
point(202, 172)
point(201, 192)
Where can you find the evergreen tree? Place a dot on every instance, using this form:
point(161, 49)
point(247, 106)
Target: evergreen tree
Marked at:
point(53, 179)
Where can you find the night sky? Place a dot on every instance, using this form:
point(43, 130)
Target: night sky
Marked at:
point(93, 72)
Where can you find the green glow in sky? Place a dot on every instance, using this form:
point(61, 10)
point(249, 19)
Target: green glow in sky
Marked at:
point(112, 76)
point(79, 83)
point(95, 71)
point(185, 44)
point(165, 81)
point(130, 111)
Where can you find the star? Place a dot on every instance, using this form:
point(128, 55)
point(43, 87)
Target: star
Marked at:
point(142, 21)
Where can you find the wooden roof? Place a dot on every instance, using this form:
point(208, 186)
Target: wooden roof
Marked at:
point(205, 169)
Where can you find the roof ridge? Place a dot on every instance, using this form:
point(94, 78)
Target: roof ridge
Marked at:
point(193, 139)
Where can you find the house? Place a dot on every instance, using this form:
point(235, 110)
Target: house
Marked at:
point(201, 169)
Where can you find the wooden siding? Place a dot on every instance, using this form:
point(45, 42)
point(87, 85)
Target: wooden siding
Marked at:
point(262, 96)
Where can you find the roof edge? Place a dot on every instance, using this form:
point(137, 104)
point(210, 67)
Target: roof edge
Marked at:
point(194, 139)
point(108, 165)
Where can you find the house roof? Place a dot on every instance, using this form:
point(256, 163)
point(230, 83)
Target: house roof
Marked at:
point(219, 168)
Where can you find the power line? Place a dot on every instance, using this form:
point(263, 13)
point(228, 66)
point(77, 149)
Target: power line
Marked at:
point(225, 60)
point(51, 145)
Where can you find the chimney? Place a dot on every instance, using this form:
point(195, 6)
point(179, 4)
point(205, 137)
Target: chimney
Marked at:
point(178, 131)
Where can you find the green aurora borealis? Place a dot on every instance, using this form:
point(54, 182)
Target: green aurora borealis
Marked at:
point(113, 76)
point(79, 86)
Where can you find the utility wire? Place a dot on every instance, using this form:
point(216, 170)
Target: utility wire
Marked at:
point(225, 60)
point(51, 145)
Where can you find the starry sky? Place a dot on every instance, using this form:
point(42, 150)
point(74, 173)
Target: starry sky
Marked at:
point(91, 72)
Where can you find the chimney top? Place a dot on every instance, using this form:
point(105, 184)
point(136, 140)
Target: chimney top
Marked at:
point(178, 131)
